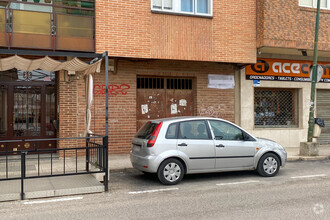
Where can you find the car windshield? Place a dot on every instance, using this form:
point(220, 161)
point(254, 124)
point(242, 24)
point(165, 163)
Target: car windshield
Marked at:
point(146, 130)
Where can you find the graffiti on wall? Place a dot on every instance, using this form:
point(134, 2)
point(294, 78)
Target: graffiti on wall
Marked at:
point(213, 111)
point(113, 89)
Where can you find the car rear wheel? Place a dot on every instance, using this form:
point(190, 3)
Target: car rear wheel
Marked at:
point(268, 165)
point(170, 172)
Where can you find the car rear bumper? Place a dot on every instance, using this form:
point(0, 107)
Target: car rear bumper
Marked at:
point(144, 163)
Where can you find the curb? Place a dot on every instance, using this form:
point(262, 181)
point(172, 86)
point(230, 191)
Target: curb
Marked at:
point(307, 158)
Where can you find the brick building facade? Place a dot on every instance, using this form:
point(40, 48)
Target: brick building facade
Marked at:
point(276, 106)
point(150, 44)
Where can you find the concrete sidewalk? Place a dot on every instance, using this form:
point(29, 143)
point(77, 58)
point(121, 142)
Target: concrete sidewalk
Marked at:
point(50, 187)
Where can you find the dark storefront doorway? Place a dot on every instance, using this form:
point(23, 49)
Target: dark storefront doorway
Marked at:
point(27, 108)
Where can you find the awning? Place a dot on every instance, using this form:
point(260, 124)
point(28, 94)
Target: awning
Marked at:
point(49, 64)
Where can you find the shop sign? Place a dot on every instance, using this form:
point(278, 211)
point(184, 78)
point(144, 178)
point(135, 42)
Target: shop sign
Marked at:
point(285, 70)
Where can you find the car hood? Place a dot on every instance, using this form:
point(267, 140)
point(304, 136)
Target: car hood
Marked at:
point(268, 143)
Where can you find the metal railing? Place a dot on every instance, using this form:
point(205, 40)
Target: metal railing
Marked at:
point(55, 162)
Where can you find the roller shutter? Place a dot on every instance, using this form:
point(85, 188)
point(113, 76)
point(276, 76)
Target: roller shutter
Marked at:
point(323, 111)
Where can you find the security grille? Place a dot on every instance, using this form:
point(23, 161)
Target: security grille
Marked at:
point(149, 83)
point(179, 84)
point(275, 107)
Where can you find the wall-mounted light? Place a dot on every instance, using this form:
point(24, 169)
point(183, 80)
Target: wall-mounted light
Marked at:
point(304, 53)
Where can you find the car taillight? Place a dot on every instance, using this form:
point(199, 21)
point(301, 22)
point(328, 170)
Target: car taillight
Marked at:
point(154, 135)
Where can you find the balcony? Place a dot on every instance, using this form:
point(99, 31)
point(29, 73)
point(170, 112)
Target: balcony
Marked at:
point(47, 26)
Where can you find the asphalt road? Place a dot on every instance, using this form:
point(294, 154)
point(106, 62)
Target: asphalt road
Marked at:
point(301, 190)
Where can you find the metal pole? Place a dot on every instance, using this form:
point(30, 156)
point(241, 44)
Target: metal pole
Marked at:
point(314, 75)
point(87, 154)
point(22, 174)
point(106, 141)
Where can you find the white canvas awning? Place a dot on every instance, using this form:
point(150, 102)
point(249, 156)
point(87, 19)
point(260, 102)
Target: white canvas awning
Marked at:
point(49, 64)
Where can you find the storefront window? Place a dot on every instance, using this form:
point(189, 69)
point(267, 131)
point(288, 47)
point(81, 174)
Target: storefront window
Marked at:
point(3, 111)
point(275, 107)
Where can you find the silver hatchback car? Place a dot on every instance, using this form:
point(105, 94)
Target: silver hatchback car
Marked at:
point(172, 147)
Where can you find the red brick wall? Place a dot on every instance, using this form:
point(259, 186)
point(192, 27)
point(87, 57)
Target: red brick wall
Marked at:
point(129, 29)
point(283, 23)
point(122, 108)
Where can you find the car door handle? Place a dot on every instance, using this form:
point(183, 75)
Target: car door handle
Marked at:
point(183, 145)
point(220, 145)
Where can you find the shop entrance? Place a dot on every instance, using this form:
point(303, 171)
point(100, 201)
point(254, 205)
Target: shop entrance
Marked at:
point(162, 97)
point(27, 109)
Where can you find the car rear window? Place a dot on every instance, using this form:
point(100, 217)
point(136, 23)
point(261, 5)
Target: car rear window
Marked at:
point(146, 130)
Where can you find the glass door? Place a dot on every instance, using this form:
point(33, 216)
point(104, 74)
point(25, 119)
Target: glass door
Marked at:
point(27, 111)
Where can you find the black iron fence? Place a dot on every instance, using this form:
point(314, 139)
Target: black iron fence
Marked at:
point(93, 158)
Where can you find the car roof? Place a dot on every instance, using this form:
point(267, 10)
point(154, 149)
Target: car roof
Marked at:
point(184, 118)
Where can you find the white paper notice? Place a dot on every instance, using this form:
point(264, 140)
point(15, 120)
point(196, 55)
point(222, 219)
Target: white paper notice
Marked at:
point(217, 81)
point(144, 109)
point(174, 109)
point(183, 102)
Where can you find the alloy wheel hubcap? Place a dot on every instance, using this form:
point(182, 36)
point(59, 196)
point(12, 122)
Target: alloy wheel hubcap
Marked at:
point(172, 172)
point(270, 165)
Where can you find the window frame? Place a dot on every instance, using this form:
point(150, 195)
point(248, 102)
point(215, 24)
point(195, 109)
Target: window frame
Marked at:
point(314, 5)
point(194, 13)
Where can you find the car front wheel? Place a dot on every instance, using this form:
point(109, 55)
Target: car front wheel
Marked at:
point(268, 165)
point(170, 172)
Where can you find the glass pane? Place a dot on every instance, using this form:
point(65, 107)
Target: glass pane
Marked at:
point(323, 4)
point(74, 11)
point(2, 27)
point(171, 131)
point(187, 5)
point(3, 111)
point(306, 3)
point(2, 20)
point(168, 4)
point(74, 26)
point(225, 131)
point(193, 130)
point(203, 6)
point(38, 23)
point(3, 4)
point(157, 4)
point(146, 130)
point(50, 111)
point(74, 3)
point(30, 7)
point(27, 109)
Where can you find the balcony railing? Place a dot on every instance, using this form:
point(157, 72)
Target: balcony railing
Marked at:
point(46, 30)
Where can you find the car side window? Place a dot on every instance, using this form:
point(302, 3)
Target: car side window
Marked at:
point(171, 131)
point(193, 130)
point(225, 131)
